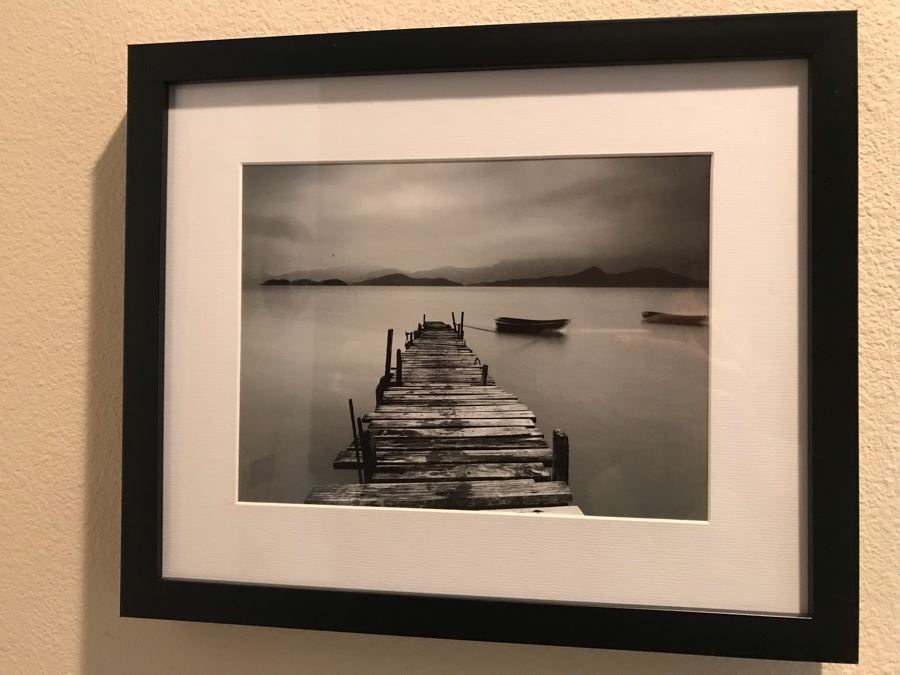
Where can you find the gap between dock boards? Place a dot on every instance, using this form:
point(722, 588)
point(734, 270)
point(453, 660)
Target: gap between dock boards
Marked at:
point(444, 435)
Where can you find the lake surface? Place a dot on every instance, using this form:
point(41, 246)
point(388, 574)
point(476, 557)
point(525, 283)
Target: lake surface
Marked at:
point(633, 397)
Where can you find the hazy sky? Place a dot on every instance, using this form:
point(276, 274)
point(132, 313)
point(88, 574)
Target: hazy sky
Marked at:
point(621, 212)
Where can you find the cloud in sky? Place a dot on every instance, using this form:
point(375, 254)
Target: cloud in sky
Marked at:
point(621, 212)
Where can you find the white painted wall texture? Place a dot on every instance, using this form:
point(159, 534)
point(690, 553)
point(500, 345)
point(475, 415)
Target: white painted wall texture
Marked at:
point(62, 109)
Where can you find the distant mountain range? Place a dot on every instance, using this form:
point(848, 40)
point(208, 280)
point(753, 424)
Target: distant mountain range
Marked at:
point(385, 280)
point(594, 277)
point(406, 280)
point(506, 272)
point(508, 269)
point(348, 273)
point(303, 282)
point(591, 277)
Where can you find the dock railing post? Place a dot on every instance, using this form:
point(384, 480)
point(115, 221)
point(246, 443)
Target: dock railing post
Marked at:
point(362, 444)
point(384, 382)
point(484, 371)
point(356, 442)
point(423, 319)
point(453, 316)
point(560, 468)
point(369, 456)
point(462, 321)
point(387, 352)
point(399, 368)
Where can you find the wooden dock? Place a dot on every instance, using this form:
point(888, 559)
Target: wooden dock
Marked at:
point(444, 435)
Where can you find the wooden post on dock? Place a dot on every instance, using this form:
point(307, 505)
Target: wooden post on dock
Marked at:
point(387, 352)
point(369, 456)
point(560, 469)
point(362, 444)
point(356, 442)
point(453, 316)
point(462, 320)
point(484, 370)
point(399, 368)
point(423, 319)
point(384, 382)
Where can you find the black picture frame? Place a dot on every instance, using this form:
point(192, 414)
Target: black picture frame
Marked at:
point(829, 44)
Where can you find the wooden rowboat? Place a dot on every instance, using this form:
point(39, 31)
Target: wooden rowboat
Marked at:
point(508, 324)
point(679, 319)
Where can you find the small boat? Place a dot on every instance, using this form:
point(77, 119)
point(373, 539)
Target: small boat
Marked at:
point(679, 319)
point(508, 324)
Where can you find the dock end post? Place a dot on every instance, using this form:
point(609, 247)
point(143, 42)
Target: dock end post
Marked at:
point(369, 456)
point(387, 354)
point(484, 375)
point(361, 453)
point(383, 383)
point(399, 378)
point(560, 468)
point(356, 425)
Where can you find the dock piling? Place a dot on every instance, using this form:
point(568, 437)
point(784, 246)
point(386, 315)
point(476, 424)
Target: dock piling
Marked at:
point(362, 444)
point(369, 456)
point(399, 368)
point(560, 466)
point(453, 317)
point(484, 373)
point(387, 353)
point(356, 442)
point(383, 383)
point(462, 320)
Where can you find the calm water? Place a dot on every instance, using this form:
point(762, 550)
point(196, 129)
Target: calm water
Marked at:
point(633, 397)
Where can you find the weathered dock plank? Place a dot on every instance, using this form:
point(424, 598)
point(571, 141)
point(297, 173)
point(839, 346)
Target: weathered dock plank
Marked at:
point(346, 459)
point(455, 472)
point(443, 402)
point(483, 442)
point(450, 414)
point(495, 494)
point(448, 423)
point(387, 410)
point(454, 390)
point(426, 387)
point(461, 397)
point(478, 432)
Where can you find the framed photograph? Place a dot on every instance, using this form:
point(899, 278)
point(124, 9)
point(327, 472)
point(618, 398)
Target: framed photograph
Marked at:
point(535, 333)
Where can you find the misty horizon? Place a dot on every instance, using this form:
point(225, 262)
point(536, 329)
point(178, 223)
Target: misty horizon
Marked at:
point(477, 220)
point(534, 268)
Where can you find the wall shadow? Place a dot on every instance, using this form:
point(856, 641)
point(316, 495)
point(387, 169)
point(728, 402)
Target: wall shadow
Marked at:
point(111, 644)
point(104, 400)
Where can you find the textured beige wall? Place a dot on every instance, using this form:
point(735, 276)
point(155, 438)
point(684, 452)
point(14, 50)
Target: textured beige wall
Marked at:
point(62, 106)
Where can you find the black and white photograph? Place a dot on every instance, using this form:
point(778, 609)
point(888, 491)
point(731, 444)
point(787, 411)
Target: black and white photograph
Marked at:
point(527, 334)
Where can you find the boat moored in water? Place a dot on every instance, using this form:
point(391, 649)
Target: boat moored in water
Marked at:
point(508, 324)
point(677, 319)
